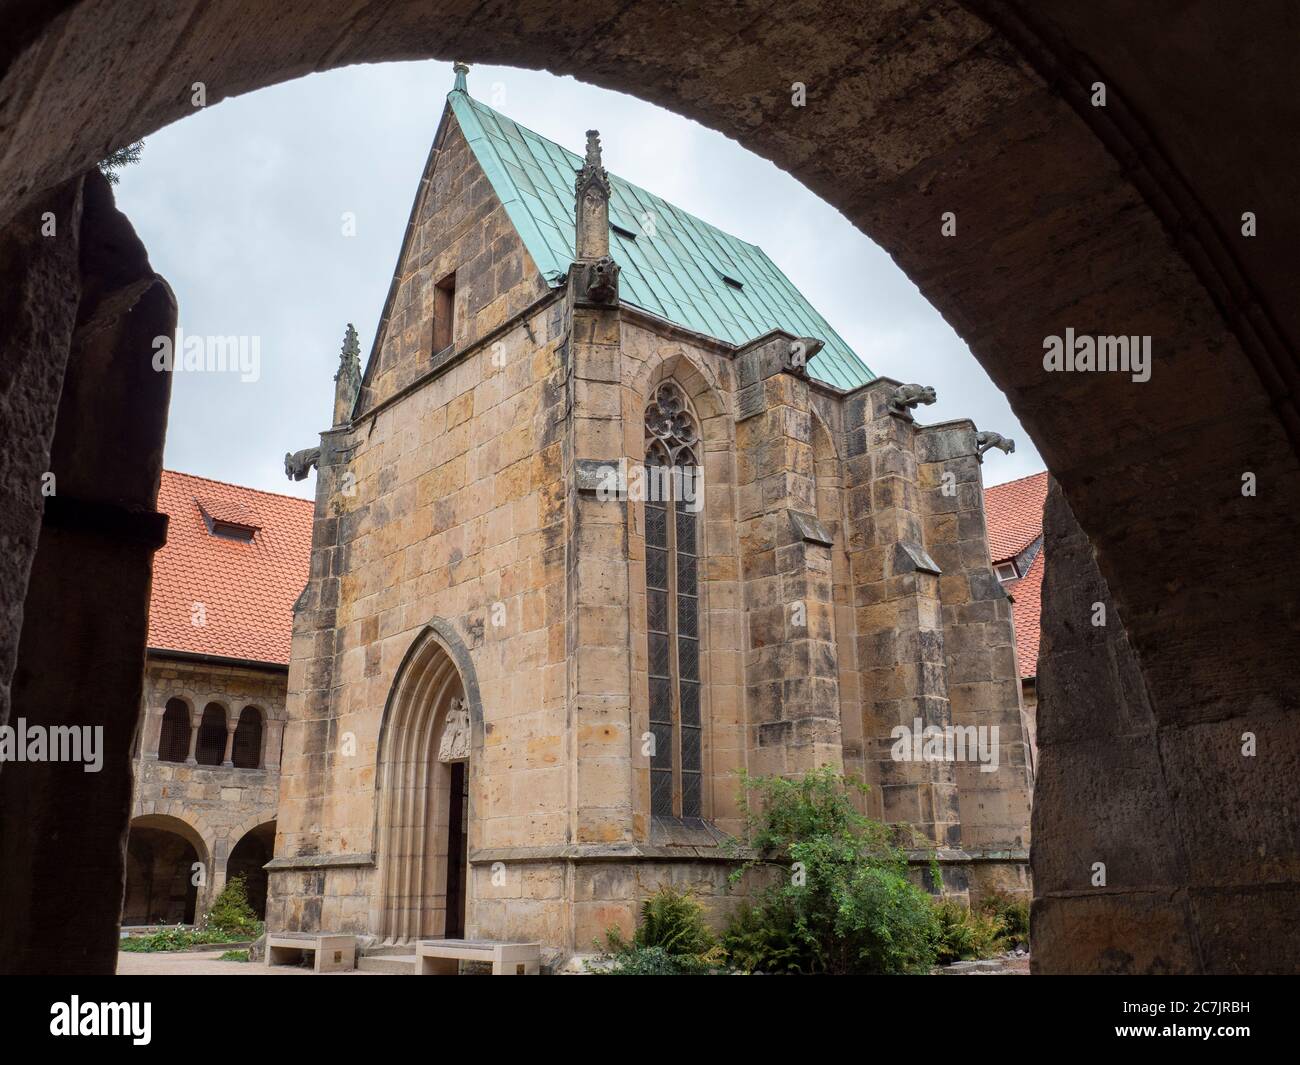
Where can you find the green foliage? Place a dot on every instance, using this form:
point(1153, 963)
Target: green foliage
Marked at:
point(117, 160)
point(234, 955)
point(963, 934)
point(1014, 915)
point(231, 912)
point(844, 904)
point(671, 939)
point(178, 938)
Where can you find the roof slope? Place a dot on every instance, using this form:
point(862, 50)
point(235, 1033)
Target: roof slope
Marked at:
point(247, 589)
point(1026, 612)
point(672, 264)
point(1014, 512)
point(1015, 515)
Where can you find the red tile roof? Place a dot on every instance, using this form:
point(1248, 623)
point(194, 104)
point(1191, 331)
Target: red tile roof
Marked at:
point(1026, 608)
point(1014, 512)
point(1015, 515)
point(246, 588)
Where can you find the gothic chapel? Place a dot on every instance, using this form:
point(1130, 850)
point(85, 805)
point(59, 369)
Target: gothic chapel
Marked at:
point(611, 514)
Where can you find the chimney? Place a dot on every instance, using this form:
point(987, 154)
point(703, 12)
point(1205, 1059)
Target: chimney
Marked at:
point(347, 382)
point(592, 187)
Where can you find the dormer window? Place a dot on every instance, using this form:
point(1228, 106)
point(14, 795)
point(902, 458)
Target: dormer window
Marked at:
point(625, 233)
point(738, 285)
point(1006, 571)
point(229, 530)
point(229, 520)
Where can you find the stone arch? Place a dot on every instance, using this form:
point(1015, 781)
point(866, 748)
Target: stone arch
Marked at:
point(174, 730)
point(252, 845)
point(248, 748)
point(413, 868)
point(161, 852)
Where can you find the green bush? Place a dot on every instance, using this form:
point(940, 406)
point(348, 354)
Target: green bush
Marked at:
point(844, 904)
point(234, 955)
point(1013, 911)
point(231, 912)
point(965, 935)
point(671, 939)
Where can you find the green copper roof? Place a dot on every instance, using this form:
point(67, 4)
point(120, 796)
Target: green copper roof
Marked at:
point(672, 264)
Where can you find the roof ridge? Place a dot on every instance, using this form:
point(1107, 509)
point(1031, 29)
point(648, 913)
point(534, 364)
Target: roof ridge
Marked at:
point(241, 487)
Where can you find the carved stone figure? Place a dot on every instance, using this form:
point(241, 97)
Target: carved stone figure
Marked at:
point(598, 281)
point(455, 734)
point(297, 463)
point(905, 398)
point(986, 441)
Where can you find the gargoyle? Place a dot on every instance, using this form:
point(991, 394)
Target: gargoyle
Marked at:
point(297, 463)
point(598, 281)
point(906, 397)
point(986, 441)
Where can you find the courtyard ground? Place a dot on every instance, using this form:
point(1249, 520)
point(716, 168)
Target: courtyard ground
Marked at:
point(206, 963)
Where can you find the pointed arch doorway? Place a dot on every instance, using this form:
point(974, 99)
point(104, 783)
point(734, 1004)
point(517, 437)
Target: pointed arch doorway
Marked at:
point(430, 732)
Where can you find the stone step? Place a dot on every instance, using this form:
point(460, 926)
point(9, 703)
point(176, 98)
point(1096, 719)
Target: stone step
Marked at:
point(393, 964)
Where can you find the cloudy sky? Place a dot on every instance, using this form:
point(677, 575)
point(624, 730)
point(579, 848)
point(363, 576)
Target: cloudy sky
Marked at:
point(241, 207)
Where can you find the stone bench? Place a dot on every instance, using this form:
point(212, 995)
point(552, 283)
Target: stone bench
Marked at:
point(442, 957)
point(333, 953)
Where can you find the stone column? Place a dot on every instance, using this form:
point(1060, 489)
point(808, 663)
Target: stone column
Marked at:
point(226, 760)
point(979, 640)
point(791, 665)
point(195, 720)
point(599, 641)
point(85, 618)
point(899, 626)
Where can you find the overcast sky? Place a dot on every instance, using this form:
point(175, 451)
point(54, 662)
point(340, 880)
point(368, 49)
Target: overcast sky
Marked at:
point(241, 209)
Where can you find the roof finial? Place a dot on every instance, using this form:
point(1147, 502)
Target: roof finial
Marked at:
point(347, 382)
point(593, 148)
point(460, 69)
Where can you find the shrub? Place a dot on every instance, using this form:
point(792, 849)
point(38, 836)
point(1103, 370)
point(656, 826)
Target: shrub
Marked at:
point(1013, 911)
point(234, 955)
point(177, 938)
point(963, 934)
point(671, 939)
point(845, 904)
point(231, 912)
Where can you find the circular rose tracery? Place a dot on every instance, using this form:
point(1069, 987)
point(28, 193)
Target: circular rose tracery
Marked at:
point(670, 430)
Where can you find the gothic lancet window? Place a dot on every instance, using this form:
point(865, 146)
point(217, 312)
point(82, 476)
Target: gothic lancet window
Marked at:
point(672, 602)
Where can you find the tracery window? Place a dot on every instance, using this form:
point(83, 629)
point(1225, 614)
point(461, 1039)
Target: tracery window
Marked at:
point(673, 484)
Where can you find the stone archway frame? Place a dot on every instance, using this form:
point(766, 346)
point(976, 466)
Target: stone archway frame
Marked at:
point(436, 660)
point(200, 835)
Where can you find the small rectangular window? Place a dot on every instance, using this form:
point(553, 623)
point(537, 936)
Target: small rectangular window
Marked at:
point(444, 314)
point(1006, 571)
point(622, 232)
point(733, 282)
